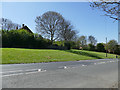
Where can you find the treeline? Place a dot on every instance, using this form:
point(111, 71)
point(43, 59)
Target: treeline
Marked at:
point(57, 33)
point(23, 39)
point(6, 24)
point(99, 47)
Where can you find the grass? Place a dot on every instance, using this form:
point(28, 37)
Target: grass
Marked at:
point(17, 55)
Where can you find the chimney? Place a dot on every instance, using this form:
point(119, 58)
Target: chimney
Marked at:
point(23, 25)
point(16, 27)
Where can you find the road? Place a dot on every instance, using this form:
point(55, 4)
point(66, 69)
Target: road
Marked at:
point(72, 74)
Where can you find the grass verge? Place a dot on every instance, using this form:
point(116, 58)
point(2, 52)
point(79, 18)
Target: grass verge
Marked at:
point(17, 55)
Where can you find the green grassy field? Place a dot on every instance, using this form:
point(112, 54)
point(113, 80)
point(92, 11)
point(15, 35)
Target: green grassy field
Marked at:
point(17, 55)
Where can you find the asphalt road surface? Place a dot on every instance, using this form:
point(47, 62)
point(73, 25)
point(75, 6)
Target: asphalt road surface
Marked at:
point(101, 73)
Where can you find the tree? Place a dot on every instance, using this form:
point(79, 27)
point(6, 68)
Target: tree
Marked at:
point(111, 45)
point(67, 33)
point(91, 47)
point(23, 39)
point(40, 42)
point(117, 49)
point(111, 8)
point(100, 47)
point(81, 41)
point(92, 40)
point(49, 24)
point(7, 24)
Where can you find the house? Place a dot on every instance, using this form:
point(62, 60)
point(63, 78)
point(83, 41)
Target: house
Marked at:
point(26, 28)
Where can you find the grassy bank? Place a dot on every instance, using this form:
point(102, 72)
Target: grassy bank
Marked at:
point(17, 55)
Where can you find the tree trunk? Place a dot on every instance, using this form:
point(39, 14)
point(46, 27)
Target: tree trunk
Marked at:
point(52, 39)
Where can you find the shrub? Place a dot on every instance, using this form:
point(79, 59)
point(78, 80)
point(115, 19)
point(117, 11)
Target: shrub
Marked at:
point(100, 47)
point(23, 39)
point(117, 49)
point(68, 45)
point(91, 47)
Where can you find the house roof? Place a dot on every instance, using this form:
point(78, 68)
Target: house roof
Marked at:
point(26, 28)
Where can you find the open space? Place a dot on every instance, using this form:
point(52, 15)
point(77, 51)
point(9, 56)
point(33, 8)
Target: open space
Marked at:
point(17, 55)
point(60, 44)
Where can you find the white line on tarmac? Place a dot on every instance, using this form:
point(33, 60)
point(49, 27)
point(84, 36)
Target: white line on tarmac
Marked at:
point(84, 65)
point(35, 72)
point(11, 71)
point(30, 70)
point(19, 70)
point(12, 75)
point(65, 67)
point(22, 73)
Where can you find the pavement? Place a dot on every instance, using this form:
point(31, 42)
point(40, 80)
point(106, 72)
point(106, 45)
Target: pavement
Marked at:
point(101, 73)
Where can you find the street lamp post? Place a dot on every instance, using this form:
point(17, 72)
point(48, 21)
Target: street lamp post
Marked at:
point(119, 23)
point(106, 46)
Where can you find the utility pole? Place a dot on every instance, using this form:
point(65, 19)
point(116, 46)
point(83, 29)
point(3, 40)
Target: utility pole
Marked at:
point(106, 46)
point(119, 23)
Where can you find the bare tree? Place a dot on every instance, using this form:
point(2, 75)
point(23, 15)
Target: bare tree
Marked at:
point(83, 40)
point(6, 24)
point(3, 23)
point(67, 33)
point(49, 24)
point(110, 7)
point(92, 40)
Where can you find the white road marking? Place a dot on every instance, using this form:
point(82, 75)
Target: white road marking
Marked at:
point(12, 75)
point(95, 63)
point(65, 67)
point(104, 62)
point(11, 71)
point(84, 65)
point(101, 63)
point(23, 73)
point(19, 70)
point(30, 72)
point(39, 70)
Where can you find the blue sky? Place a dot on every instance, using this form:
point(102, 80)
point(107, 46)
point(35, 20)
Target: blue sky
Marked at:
point(84, 19)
